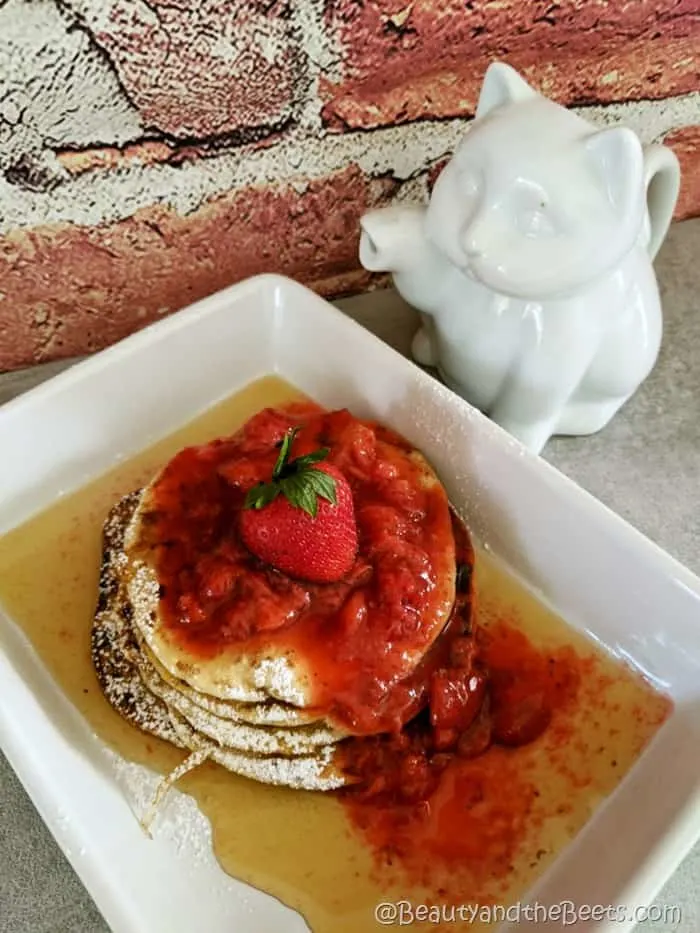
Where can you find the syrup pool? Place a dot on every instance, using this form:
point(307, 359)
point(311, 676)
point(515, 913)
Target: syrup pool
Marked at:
point(495, 824)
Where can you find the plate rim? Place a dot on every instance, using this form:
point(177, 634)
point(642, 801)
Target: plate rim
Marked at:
point(272, 288)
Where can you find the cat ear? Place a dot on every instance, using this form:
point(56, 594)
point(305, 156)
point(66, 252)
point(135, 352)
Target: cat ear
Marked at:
point(616, 154)
point(502, 85)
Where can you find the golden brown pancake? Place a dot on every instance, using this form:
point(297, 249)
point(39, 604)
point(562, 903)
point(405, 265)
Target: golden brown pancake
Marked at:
point(265, 713)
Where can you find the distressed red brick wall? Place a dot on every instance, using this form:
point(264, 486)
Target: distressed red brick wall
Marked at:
point(403, 61)
point(153, 152)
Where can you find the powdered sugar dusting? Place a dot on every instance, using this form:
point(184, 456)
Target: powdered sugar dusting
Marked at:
point(280, 679)
point(243, 736)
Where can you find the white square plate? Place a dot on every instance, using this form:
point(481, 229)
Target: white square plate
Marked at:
point(597, 571)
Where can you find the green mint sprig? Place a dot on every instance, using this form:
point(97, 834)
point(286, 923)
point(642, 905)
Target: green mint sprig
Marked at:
point(297, 480)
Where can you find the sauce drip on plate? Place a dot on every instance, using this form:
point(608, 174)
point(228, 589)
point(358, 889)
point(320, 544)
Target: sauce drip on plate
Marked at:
point(435, 815)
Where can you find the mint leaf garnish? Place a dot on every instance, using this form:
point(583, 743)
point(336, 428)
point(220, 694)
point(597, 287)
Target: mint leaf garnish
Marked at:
point(261, 495)
point(284, 453)
point(309, 459)
point(322, 484)
point(297, 480)
point(297, 490)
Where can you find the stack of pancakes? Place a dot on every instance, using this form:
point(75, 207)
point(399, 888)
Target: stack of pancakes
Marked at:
point(250, 733)
point(251, 708)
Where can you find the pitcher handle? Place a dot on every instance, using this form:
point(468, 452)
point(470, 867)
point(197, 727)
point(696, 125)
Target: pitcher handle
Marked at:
point(662, 179)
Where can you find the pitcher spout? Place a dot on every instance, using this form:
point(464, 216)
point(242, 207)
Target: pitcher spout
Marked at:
point(392, 238)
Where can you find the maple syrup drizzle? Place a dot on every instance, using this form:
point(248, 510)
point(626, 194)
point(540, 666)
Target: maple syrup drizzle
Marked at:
point(330, 859)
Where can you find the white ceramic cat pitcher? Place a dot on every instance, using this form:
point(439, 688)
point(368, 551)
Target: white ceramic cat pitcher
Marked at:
point(532, 263)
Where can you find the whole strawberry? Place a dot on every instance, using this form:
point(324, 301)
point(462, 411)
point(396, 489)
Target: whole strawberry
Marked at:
point(302, 522)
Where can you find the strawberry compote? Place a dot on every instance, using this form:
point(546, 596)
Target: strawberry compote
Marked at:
point(365, 640)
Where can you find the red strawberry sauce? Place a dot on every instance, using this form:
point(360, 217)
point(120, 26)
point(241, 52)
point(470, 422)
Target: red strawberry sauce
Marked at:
point(370, 641)
point(360, 637)
point(450, 815)
point(439, 791)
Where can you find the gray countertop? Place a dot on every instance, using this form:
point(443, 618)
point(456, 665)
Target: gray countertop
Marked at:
point(645, 466)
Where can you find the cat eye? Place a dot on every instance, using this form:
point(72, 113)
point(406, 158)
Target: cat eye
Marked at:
point(534, 222)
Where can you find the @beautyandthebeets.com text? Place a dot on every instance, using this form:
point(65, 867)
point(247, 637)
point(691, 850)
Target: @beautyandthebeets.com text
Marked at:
point(565, 913)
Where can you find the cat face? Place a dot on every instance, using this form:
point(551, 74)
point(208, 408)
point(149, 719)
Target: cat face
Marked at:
point(534, 203)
